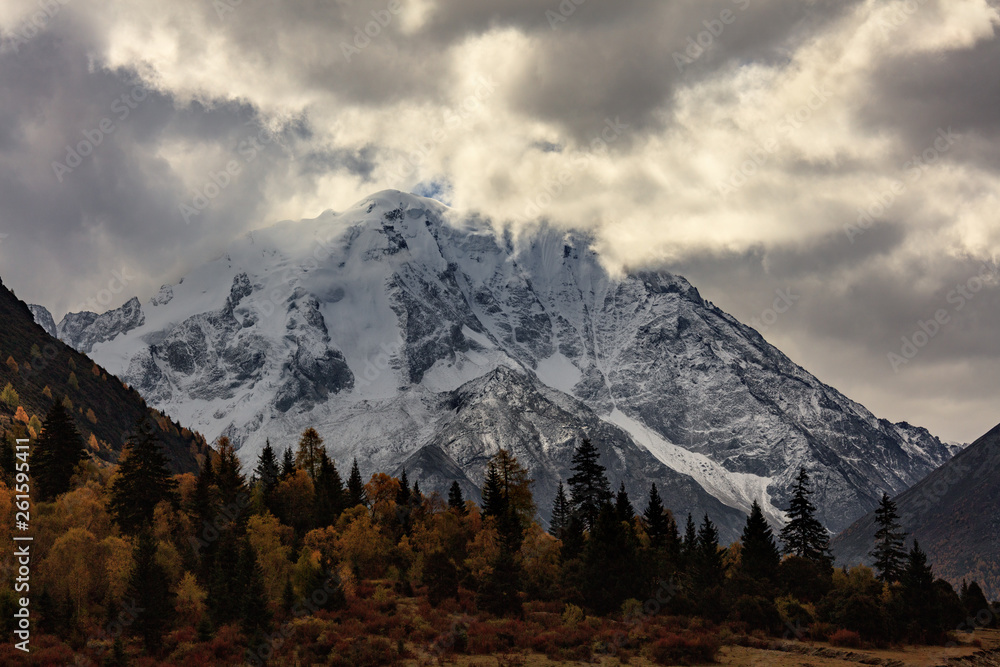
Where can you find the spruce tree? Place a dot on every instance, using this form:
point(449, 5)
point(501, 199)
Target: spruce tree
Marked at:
point(455, 499)
point(267, 471)
point(623, 506)
point(589, 484)
point(919, 595)
point(494, 500)
point(356, 494)
point(229, 473)
point(760, 555)
point(142, 481)
point(56, 454)
point(287, 464)
point(403, 495)
point(329, 492)
point(202, 503)
point(611, 563)
point(804, 535)
point(561, 513)
point(255, 616)
point(889, 554)
point(655, 518)
point(148, 589)
point(689, 545)
point(709, 567)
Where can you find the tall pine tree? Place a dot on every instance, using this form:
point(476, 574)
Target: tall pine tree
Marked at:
point(709, 567)
point(804, 535)
point(287, 464)
point(56, 453)
point(329, 492)
point(561, 513)
point(142, 481)
point(149, 591)
point(267, 471)
point(889, 553)
point(456, 501)
point(760, 556)
point(588, 486)
point(623, 506)
point(356, 494)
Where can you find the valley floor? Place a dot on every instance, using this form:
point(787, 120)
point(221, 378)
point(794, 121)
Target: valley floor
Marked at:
point(979, 650)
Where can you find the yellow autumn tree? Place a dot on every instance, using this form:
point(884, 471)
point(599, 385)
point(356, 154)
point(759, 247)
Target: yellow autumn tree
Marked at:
point(190, 602)
point(382, 490)
point(117, 566)
point(268, 538)
point(68, 569)
point(364, 547)
point(21, 416)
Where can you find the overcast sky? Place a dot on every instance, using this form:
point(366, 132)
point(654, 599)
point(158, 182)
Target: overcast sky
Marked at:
point(841, 156)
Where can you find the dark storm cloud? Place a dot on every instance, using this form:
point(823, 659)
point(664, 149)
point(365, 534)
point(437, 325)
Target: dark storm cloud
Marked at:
point(317, 103)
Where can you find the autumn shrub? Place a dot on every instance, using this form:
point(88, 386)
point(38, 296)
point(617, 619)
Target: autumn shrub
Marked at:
point(845, 639)
point(684, 649)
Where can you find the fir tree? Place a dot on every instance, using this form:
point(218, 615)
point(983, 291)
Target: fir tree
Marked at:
point(229, 473)
point(56, 454)
point(689, 545)
point(760, 555)
point(356, 494)
point(329, 492)
point(655, 518)
point(561, 513)
point(202, 503)
point(267, 471)
point(623, 506)
point(403, 495)
point(709, 567)
point(287, 464)
point(494, 500)
point(224, 586)
point(610, 563)
point(804, 535)
point(149, 590)
point(142, 481)
point(455, 499)
point(889, 554)
point(589, 484)
point(255, 617)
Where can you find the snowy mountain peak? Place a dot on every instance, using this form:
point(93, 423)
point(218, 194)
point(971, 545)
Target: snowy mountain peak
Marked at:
point(370, 323)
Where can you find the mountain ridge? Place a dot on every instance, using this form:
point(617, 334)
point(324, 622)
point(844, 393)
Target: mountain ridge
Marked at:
point(358, 322)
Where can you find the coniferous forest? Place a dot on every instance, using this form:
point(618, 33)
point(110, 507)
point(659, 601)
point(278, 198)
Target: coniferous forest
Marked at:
point(300, 560)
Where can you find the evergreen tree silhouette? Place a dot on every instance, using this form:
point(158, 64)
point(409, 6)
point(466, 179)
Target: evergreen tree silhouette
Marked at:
point(804, 535)
point(889, 553)
point(329, 492)
point(148, 588)
point(287, 464)
point(623, 506)
point(142, 481)
point(267, 471)
point(356, 494)
point(455, 499)
point(760, 555)
point(561, 513)
point(589, 484)
point(56, 453)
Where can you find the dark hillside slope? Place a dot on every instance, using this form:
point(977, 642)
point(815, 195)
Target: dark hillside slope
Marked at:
point(31, 360)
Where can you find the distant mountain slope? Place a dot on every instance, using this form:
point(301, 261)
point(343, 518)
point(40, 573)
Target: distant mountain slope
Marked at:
point(359, 322)
point(954, 513)
point(102, 405)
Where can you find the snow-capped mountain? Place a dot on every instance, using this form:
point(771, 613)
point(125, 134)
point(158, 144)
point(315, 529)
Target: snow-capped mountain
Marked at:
point(406, 336)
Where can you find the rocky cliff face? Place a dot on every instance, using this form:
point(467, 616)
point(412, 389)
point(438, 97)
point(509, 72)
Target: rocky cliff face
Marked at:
point(374, 323)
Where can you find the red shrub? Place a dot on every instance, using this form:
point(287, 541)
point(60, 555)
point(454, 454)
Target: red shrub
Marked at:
point(846, 639)
point(684, 649)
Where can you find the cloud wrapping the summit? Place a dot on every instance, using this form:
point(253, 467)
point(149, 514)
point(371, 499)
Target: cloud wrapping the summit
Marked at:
point(752, 145)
